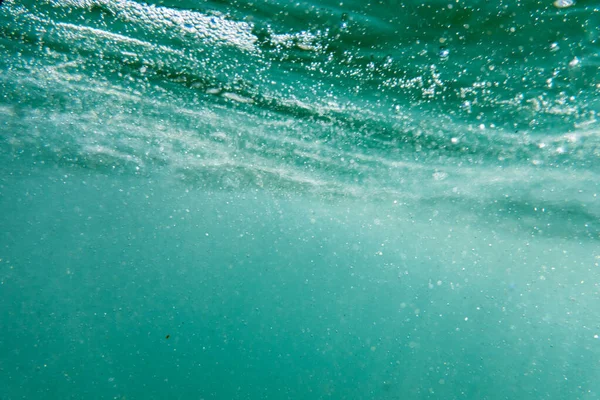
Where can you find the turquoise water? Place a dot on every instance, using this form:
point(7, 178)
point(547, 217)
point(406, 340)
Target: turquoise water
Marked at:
point(299, 200)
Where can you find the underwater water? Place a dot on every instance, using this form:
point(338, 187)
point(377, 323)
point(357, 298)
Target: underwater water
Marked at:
point(259, 199)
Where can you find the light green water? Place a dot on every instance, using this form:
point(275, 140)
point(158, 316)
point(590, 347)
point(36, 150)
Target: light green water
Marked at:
point(310, 200)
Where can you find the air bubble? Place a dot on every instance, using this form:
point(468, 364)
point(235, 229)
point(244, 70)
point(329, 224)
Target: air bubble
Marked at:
point(564, 3)
point(574, 62)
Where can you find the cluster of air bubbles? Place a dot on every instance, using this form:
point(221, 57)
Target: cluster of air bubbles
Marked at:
point(344, 22)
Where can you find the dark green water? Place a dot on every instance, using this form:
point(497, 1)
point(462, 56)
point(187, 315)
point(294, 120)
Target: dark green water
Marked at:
point(299, 200)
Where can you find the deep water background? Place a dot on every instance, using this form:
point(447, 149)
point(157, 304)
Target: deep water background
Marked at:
point(299, 200)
